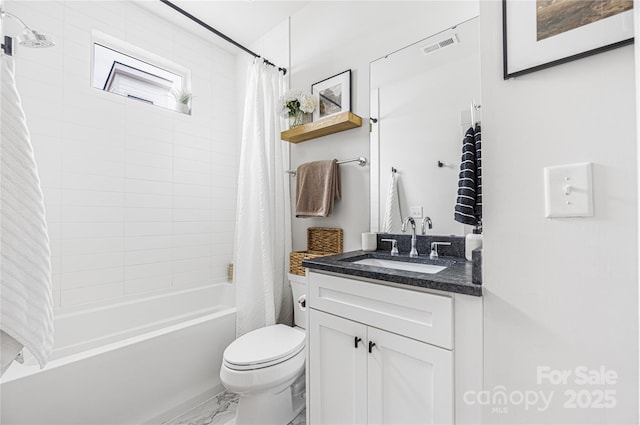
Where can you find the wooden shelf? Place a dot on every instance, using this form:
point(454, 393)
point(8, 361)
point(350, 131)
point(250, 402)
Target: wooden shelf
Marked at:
point(324, 127)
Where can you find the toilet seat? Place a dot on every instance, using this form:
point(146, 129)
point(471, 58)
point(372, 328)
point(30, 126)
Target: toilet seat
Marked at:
point(264, 347)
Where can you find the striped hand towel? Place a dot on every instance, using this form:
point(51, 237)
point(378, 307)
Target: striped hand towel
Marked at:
point(468, 209)
point(26, 304)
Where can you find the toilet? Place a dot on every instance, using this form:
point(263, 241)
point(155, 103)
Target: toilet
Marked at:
point(266, 367)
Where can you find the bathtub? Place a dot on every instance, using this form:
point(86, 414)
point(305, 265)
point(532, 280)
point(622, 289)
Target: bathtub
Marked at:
point(140, 361)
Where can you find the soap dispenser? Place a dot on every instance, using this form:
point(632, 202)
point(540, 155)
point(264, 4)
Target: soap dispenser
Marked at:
point(472, 241)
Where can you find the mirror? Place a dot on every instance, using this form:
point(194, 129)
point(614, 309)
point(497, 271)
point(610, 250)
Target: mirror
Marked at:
point(421, 97)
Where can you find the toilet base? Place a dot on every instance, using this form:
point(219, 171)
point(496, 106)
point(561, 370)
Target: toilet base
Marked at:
point(269, 409)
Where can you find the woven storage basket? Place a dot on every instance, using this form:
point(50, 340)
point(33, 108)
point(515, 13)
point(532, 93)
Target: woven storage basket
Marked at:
point(321, 241)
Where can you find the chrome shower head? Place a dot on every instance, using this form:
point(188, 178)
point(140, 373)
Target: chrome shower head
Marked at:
point(32, 38)
point(29, 37)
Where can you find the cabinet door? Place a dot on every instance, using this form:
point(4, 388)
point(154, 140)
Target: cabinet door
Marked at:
point(337, 370)
point(410, 382)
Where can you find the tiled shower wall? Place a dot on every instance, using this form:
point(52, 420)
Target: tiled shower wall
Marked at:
point(139, 199)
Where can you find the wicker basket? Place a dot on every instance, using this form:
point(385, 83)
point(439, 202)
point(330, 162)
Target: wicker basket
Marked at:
point(321, 241)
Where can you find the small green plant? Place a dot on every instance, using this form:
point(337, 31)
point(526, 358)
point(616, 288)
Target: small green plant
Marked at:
point(182, 96)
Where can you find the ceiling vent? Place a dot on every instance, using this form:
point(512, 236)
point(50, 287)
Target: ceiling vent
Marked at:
point(449, 41)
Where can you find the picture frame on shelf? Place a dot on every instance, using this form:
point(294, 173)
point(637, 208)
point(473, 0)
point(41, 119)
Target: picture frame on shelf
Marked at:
point(538, 34)
point(334, 95)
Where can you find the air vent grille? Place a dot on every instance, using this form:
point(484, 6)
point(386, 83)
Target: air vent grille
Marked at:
point(449, 41)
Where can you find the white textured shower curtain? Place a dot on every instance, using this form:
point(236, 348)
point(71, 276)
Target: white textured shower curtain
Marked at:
point(263, 215)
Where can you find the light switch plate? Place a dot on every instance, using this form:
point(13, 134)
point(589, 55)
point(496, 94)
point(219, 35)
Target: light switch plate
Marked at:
point(416, 211)
point(568, 191)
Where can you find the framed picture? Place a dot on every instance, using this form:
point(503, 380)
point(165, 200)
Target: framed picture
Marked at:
point(538, 34)
point(334, 95)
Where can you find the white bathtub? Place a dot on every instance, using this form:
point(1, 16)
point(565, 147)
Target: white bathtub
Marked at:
point(126, 363)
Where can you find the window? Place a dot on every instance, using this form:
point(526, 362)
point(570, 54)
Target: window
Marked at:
point(126, 70)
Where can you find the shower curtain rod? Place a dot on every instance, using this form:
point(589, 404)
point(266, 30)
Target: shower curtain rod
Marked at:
point(219, 34)
point(362, 161)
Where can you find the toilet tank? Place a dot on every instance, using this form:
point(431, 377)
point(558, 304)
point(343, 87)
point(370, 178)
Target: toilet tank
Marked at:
point(298, 289)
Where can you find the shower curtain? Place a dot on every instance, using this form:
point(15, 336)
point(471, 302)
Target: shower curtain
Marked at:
point(263, 215)
point(26, 302)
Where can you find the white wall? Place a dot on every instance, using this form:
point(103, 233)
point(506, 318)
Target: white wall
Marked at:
point(330, 37)
point(138, 198)
point(559, 293)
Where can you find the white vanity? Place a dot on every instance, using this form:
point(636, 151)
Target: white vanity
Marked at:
point(381, 354)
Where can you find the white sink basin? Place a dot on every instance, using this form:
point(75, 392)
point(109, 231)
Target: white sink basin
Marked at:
point(401, 265)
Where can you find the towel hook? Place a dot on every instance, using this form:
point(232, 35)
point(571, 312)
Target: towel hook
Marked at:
point(394, 170)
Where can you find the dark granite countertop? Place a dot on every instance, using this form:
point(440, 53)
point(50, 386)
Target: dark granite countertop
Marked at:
point(457, 277)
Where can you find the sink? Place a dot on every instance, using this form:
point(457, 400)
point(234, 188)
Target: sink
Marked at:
point(401, 265)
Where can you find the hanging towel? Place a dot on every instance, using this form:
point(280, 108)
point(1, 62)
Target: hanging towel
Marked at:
point(392, 213)
point(477, 135)
point(465, 209)
point(26, 305)
point(317, 187)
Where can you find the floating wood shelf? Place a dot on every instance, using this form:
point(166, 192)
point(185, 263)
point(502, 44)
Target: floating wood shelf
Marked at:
point(324, 127)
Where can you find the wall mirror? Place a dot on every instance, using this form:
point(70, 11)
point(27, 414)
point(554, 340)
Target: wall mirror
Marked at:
point(421, 101)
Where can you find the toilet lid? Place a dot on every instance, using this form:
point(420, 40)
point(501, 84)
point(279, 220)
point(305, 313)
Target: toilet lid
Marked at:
point(265, 345)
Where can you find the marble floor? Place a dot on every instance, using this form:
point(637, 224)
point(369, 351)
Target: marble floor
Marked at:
point(219, 410)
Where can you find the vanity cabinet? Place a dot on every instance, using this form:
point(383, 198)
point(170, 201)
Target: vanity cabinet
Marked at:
point(378, 354)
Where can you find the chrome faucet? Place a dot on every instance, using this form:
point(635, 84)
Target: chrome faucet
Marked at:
point(434, 249)
point(394, 246)
point(414, 251)
point(426, 220)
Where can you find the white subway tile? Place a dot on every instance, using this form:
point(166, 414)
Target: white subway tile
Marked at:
point(184, 152)
point(80, 181)
point(147, 256)
point(147, 242)
point(192, 190)
point(191, 202)
point(140, 172)
point(147, 270)
point(92, 230)
point(191, 240)
point(188, 177)
point(189, 264)
point(81, 214)
point(186, 252)
point(192, 215)
point(147, 214)
point(147, 187)
point(141, 200)
point(79, 296)
point(148, 159)
point(94, 262)
point(148, 144)
point(189, 227)
point(70, 247)
point(133, 229)
point(147, 284)
point(92, 198)
point(88, 278)
point(192, 277)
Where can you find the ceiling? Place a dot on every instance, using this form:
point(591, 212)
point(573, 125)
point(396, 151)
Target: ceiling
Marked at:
point(245, 21)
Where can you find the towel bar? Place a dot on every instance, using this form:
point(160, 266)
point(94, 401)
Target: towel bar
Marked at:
point(362, 161)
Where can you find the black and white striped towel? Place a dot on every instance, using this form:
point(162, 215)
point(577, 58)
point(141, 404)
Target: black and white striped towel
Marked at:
point(468, 209)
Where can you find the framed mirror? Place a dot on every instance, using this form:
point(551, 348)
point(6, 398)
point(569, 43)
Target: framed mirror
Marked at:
point(421, 107)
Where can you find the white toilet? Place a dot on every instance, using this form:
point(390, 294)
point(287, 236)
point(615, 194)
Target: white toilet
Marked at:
point(266, 368)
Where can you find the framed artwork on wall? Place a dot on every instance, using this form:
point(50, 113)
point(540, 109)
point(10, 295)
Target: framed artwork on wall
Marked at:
point(538, 34)
point(334, 95)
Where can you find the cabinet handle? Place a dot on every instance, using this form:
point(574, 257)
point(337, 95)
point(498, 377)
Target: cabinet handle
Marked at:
point(371, 345)
point(356, 340)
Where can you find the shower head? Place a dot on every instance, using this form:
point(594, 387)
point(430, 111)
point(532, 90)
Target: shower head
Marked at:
point(29, 37)
point(32, 38)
